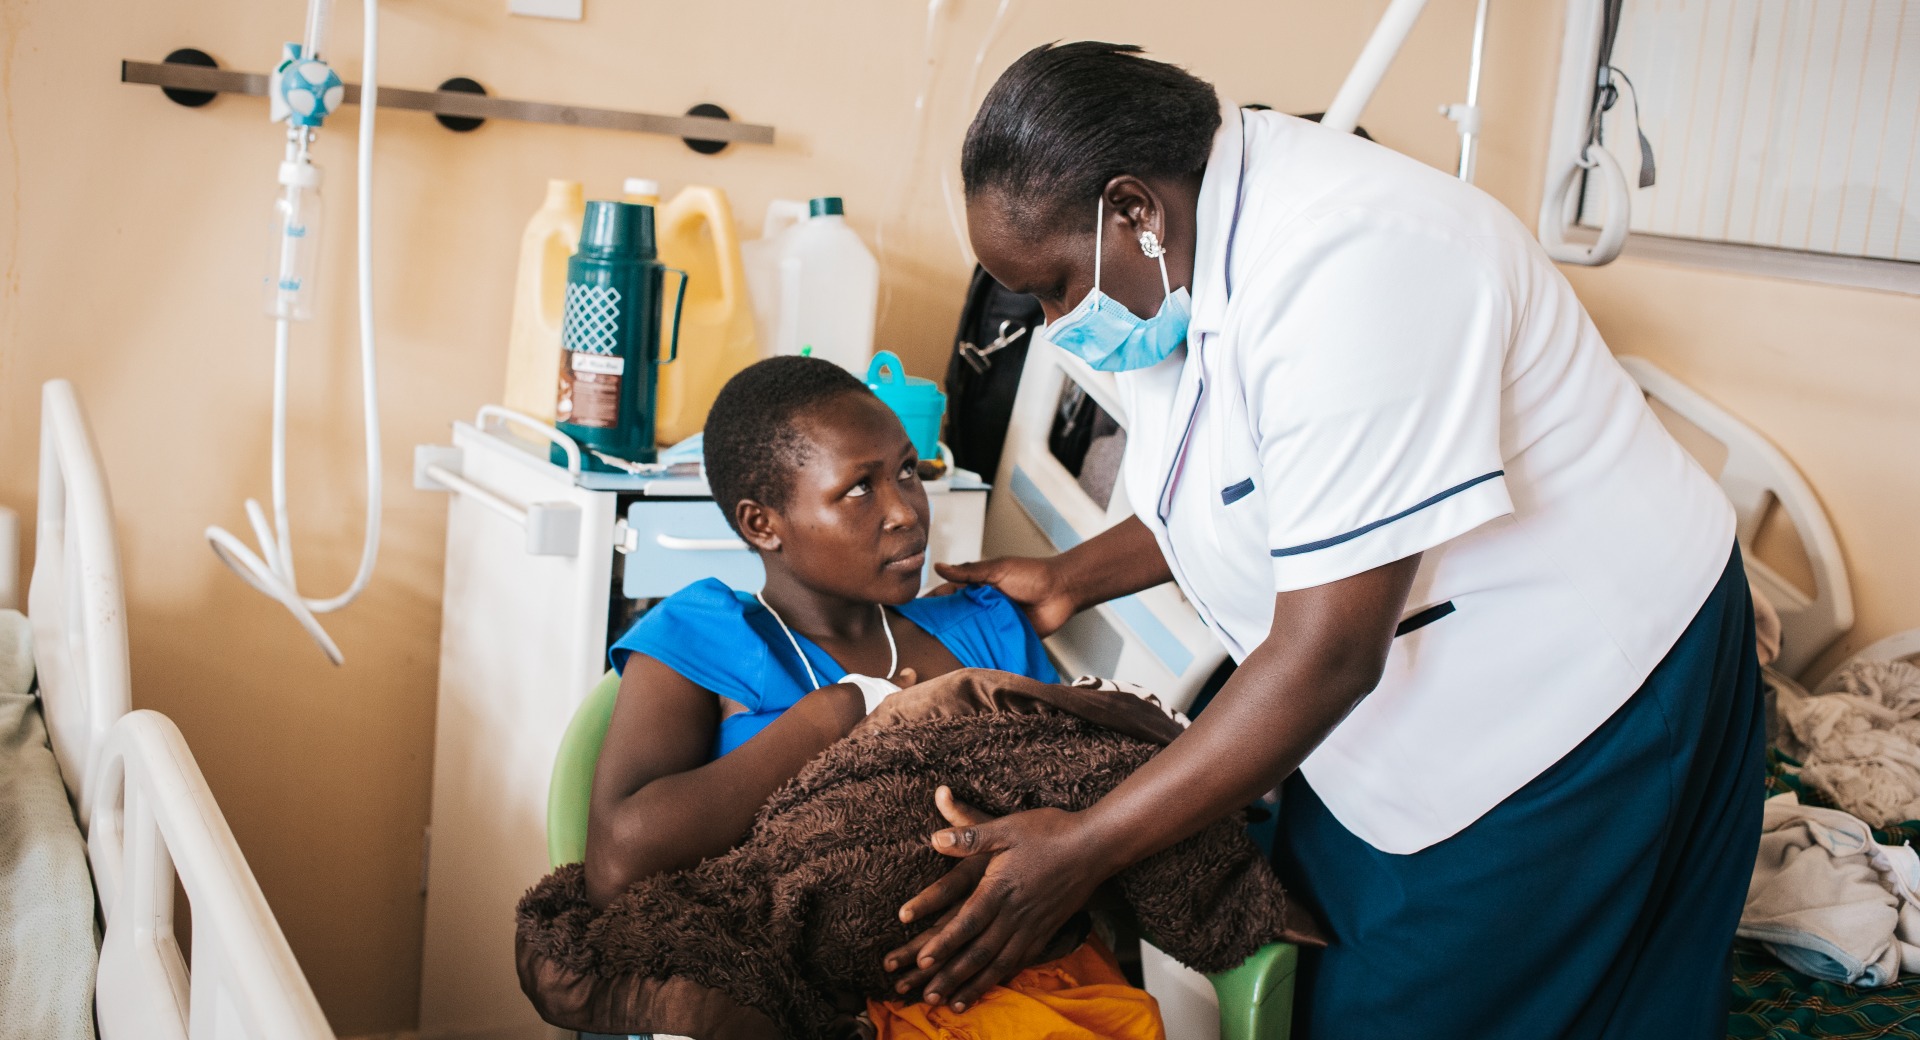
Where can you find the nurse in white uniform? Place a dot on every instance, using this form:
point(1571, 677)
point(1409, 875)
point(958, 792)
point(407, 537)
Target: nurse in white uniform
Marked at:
point(1492, 630)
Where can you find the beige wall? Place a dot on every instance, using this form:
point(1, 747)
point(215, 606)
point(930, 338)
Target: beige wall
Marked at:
point(134, 231)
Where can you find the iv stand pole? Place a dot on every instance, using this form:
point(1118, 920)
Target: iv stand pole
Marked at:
point(1382, 47)
point(1467, 116)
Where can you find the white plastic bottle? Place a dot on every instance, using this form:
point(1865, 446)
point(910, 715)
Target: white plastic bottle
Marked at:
point(539, 301)
point(760, 258)
point(641, 191)
point(815, 285)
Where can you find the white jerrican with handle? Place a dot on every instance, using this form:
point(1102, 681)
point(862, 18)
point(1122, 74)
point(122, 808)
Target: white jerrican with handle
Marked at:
point(760, 258)
point(814, 283)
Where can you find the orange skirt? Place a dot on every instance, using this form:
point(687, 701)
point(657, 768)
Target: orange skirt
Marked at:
point(1081, 996)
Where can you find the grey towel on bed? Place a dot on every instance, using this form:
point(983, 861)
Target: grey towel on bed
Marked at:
point(48, 949)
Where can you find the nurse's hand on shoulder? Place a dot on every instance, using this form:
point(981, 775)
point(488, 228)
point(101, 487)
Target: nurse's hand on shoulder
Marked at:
point(1019, 902)
point(1038, 586)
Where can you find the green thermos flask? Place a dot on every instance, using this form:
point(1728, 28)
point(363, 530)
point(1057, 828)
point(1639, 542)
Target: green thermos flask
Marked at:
point(610, 335)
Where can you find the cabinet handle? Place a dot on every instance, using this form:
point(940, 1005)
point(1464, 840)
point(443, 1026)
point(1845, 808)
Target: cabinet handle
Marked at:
point(679, 544)
point(553, 528)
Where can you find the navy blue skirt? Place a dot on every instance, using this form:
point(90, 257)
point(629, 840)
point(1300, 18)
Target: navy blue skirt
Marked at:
point(1598, 901)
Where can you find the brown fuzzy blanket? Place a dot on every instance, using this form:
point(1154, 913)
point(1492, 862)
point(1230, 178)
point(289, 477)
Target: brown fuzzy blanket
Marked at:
point(784, 934)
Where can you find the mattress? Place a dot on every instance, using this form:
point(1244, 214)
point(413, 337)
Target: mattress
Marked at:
point(48, 946)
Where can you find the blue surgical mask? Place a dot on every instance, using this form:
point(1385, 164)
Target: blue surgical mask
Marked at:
point(1106, 335)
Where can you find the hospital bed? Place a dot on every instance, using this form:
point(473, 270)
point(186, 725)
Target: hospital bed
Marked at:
point(151, 825)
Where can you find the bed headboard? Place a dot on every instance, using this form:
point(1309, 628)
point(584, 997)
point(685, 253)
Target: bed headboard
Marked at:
point(1755, 477)
point(75, 603)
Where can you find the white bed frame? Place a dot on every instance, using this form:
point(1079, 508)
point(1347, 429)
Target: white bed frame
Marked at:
point(1900, 646)
point(74, 602)
point(156, 822)
point(149, 818)
point(1755, 476)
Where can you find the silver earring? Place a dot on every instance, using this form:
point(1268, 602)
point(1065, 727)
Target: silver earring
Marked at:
point(1150, 245)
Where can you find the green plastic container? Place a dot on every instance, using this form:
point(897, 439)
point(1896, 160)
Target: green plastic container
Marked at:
point(919, 403)
point(610, 336)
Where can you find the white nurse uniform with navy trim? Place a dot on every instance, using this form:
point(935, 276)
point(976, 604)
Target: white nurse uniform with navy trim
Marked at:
point(1383, 362)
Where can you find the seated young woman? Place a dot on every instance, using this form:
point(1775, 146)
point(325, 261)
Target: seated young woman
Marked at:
point(725, 695)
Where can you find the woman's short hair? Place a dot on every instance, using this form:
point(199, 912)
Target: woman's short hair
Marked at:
point(1067, 118)
point(753, 442)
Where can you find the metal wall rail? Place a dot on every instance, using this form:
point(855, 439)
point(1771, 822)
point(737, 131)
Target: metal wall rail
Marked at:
point(459, 105)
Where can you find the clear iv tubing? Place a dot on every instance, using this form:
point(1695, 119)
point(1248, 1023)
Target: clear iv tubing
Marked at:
point(957, 222)
point(271, 570)
point(904, 190)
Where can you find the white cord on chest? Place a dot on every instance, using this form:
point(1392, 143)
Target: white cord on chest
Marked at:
point(893, 649)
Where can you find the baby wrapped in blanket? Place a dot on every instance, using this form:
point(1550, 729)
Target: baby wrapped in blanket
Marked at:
point(785, 934)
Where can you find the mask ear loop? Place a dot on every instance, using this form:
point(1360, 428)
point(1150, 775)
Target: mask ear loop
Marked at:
point(1099, 225)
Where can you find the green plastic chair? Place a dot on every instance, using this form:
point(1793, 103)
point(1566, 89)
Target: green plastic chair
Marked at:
point(1256, 998)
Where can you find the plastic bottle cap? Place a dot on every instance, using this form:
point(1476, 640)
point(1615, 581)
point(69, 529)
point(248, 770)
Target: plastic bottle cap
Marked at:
point(640, 186)
point(806, 351)
point(825, 206)
point(300, 175)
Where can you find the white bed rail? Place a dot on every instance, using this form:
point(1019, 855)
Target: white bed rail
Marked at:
point(155, 821)
point(1756, 475)
point(75, 601)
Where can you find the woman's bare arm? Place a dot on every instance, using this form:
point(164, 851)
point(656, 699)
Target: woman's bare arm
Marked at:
point(659, 804)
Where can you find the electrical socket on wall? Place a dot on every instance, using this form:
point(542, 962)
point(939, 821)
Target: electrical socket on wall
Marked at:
point(565, 10)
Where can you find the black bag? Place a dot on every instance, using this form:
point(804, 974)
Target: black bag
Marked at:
point(983, 375)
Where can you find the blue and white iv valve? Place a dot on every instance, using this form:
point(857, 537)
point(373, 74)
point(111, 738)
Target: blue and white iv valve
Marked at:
point(303, 91)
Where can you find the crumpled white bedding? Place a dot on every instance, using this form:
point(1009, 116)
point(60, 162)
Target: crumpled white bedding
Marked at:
point(1858, 739)
point(48, 946)
point(1829, 900)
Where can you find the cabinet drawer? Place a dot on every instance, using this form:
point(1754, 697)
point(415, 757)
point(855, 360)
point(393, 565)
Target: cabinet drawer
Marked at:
point(676, 543)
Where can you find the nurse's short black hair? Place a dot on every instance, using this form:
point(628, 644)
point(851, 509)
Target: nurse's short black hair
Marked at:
point(753, 442)
point(1066, 118)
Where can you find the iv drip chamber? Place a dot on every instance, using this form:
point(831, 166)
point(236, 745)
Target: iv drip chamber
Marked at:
point(293, 249)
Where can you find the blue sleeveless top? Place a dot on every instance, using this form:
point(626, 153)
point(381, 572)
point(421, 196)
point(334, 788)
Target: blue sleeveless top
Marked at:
point(727, 643)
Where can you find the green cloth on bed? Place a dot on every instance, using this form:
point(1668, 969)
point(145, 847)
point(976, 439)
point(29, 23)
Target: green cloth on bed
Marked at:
point(48, 948)
point(1773, 1002)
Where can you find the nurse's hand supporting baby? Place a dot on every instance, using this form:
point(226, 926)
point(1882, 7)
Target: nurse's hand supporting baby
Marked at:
point(1326, 650)
point(1045, 836)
